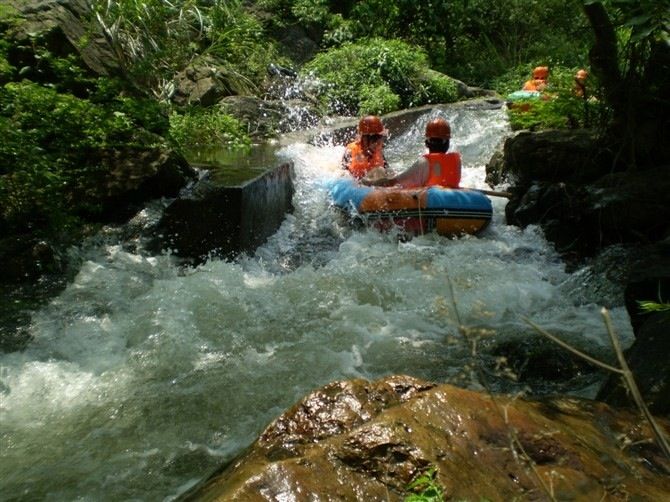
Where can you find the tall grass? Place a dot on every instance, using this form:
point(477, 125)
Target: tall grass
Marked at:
point(155, 39)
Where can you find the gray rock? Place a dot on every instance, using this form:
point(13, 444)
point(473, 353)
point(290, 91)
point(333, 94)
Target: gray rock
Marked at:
point(202, 83)
point(67, 27)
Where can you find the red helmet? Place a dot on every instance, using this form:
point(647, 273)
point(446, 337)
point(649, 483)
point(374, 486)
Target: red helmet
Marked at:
point(541, 72)
point(371, 124)
point(438, 128)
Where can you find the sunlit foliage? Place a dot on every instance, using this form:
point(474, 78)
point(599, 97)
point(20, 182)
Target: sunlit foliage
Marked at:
point(375, 74)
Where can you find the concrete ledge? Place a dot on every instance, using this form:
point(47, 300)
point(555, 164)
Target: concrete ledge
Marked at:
point(226, 221)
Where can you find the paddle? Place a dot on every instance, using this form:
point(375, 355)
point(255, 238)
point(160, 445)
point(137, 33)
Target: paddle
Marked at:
point(491, 192)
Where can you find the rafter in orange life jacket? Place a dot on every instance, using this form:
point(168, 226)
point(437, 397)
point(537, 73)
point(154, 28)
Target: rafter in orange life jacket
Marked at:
point(444, 169)
point(361, 162)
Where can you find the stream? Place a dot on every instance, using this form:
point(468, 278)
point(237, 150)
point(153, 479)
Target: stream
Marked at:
point(142, 376)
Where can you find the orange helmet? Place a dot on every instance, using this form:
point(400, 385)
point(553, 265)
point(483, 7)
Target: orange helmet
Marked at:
point(371, 124)
point(581, 74)
point(438, 128)
point(541, 72)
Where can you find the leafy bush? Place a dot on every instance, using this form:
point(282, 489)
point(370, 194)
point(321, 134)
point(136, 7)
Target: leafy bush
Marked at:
point(439, 88)
point(378, 100)
point(207, 127)
point(238, 42)
point(6, 69)
point(479, 39)
point(311, 11)
point(321, 19)
point(538, 114)
point(30, 185)
point(145, 113)
point(351, 71)
point(45, 155)
point(338, 32)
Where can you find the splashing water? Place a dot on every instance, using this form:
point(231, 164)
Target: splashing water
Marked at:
point(143, 376)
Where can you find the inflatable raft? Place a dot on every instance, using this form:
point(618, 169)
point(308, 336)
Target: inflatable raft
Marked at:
point(447, 211)
point(523, 95)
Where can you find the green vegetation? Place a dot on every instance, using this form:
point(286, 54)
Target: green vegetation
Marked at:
point(378, 75)
point(207, 127)
point(559, 107)
point(6, 69)
point(631, 53)
point(649, 306)
point(473, 41)
point(425, 488)
point(155, 39)
point(50, 143)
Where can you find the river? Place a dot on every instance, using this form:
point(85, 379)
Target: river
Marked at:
point(142, 375)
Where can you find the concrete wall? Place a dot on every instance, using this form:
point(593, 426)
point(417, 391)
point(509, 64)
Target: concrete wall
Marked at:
point(226, 221)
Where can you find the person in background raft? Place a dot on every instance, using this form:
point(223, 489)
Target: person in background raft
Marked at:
point(580, 91)
point(539, 80)
point(437, 167)
point(580, 83)
point(367, 152)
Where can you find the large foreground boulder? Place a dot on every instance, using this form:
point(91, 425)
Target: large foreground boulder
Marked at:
point(360, 440)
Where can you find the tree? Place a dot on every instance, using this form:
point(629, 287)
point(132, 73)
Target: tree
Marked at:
point(631, 58)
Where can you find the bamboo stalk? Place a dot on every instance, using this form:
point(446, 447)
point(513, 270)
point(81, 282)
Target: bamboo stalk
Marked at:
point(570, 348)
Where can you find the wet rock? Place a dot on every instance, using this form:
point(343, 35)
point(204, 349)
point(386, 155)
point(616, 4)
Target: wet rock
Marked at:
point(649, 281)
point(554, 156)
point(397, 123)
point(562, 180)
point(495, 168)
point(296, 43)
point(361, 440)
point(532, 362)
point(648, 360)
point(130, 177)
point(26, 258)
point(266, 118)
point(631, 206)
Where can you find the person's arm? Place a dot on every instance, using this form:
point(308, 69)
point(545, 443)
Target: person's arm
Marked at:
point(413, 177)
point(377, 178)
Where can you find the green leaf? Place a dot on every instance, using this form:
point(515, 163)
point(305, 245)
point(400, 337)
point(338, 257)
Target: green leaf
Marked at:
point(638, 20)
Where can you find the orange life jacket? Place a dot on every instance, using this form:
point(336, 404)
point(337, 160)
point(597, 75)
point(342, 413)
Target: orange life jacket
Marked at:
point(534, 85)
point(360, 163)
point(444, 169)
